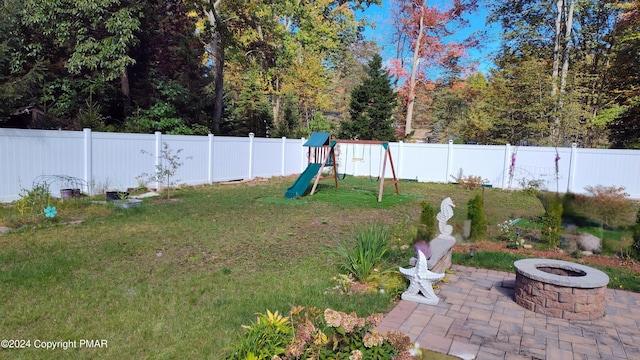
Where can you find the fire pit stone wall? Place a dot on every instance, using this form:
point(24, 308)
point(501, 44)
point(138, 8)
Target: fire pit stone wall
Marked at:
point(560, 289)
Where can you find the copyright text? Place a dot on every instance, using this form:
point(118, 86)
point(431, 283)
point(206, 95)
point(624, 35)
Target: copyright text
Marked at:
point(54, 345)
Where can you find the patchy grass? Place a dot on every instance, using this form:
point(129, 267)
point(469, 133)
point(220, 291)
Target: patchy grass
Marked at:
point(178, 279)
point(502, 261)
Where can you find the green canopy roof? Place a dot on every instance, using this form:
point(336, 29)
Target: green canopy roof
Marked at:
point(318, 139)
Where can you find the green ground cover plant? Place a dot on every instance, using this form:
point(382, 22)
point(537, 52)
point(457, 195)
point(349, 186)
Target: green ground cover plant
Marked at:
point(179, 279)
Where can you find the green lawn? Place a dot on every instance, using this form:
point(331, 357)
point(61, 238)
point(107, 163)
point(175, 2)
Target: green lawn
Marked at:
point(178, 279)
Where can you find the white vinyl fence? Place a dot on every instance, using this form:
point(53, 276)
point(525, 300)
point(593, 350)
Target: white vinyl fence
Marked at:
point(116, 161)
point(506, 167)
point(112, 161)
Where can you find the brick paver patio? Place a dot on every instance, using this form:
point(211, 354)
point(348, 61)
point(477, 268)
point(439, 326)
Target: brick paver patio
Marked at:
point(477, 318)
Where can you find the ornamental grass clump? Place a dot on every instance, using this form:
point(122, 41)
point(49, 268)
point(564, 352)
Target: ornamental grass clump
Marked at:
point(371, 244)
point(315, 334)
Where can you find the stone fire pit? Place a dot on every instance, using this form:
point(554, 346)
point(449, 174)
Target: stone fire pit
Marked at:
point(560, 289)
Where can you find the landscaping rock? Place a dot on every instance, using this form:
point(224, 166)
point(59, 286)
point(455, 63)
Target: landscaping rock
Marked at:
point(568, 228)
point(4, 230)
point(588, 242)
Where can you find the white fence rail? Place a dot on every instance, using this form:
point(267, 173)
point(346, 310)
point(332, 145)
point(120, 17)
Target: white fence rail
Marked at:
point(114, 160)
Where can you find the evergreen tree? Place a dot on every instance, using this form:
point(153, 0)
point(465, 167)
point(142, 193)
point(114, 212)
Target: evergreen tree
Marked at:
point(371, 107)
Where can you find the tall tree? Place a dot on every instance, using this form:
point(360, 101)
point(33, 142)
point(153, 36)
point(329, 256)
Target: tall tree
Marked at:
point(625, 79)
point(275, 37)
point(217, 40)
point(571, 38)
point(561, 47)
point(371, 107)
point(422, 30)
point(21, 72)
point(102, 33)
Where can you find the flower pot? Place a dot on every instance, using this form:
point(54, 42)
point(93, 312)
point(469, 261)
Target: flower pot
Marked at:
point(66, 194)
point(116, 195)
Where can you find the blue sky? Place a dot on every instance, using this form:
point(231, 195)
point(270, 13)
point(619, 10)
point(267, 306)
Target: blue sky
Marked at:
point(382, 34)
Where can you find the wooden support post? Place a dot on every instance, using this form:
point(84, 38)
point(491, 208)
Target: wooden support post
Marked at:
point(387, 154)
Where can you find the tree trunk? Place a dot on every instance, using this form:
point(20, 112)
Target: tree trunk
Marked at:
point(126, 92)
point(276, 101)
point(566, 43)
point(556, 48)
point(216, 46)
point(414, 73)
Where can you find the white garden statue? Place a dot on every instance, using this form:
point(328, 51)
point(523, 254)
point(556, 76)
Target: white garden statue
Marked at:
point(420, 282)
point(421, 279)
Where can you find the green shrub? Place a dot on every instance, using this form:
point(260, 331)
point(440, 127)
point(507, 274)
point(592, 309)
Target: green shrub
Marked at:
point(427, 225)
point(552, 222)
point(33, 202)
point(266, 337)
point(608, 204)
point(371, 244)
point(475, 213)
point(309, 333)
point(634, 251)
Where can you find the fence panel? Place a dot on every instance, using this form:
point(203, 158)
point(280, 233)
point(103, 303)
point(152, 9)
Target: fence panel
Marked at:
point(536, 167)
point(230, 158)
point(117, 159)
point(608, 168)
point(485, 161)
point(295, 156)
point(267, 157)
point(423, 162)
point(194, 157)
point(27, 154)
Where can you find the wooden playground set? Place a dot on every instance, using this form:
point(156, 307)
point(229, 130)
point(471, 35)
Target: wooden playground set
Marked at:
point(321, 154)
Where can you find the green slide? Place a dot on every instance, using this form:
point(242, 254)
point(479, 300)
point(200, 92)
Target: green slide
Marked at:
point(302, 183)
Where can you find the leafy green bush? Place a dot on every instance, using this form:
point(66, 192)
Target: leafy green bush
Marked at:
point(33, 201)
point(608, 204)
point(475, 213)
point(427, 225)
point(371, 244)
point(266, 337)
point(552, 221)
point(635, 246)
point(309, 333)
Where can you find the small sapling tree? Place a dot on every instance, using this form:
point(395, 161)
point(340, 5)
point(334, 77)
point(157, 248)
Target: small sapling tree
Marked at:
point(166, 169)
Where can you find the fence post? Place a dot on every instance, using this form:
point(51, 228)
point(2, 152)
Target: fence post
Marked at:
point(302, 162)
point(449, 161)
point(251, 135)
point(400, 157)
point(506, 169)
point(572, 167)
point(284, 158)
point(210, 158)
point(88, 155)
point(158, 160)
